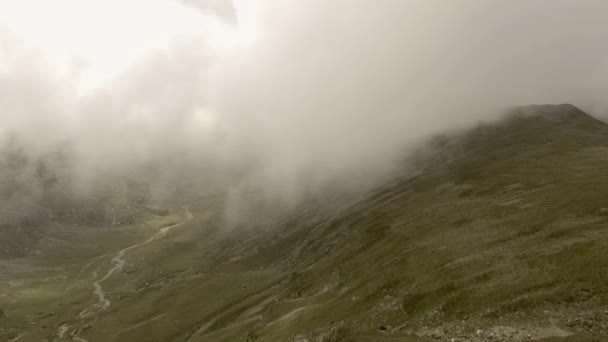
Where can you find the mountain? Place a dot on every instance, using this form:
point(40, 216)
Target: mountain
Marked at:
point(42, 190)
point(501, 236)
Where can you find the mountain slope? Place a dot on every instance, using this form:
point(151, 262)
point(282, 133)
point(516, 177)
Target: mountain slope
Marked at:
point(43, 190)
point(502, 237)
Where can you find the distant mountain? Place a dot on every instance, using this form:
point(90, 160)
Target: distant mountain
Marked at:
point(39, 190)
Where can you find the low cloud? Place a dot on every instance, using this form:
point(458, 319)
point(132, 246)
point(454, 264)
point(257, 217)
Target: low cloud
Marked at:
point(329, 93)
point(222, 8)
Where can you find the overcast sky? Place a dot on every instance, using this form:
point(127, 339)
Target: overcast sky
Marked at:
point(313, 88)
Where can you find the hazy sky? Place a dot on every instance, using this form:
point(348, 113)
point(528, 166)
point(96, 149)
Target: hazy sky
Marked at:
point(311, 89)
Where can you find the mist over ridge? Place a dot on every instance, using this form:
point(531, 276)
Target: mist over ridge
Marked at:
point(303, 170)
point(328, 93)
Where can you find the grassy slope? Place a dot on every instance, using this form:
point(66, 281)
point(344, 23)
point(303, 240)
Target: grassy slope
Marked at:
point(506, 241)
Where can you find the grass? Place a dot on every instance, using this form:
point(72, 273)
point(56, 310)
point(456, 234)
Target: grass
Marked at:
point(508, 233)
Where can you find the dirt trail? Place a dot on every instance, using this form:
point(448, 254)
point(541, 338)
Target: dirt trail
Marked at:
point(119, 261)
point(16, 338)
point(141, 324)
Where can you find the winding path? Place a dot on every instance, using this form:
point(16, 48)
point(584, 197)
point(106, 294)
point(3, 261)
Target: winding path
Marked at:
point(118, 261)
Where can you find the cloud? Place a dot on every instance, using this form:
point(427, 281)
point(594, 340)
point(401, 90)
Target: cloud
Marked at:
point(222, 8)
point(330, 92)
point(336, 87)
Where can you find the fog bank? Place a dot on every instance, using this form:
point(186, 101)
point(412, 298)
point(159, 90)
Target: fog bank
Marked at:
point(314, 93)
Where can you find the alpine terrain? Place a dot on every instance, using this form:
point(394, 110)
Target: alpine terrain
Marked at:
point(497, 233)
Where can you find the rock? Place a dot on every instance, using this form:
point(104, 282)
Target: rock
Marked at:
point(129, 269)
point(43, 315)
point(301, 338)
point(250, 336)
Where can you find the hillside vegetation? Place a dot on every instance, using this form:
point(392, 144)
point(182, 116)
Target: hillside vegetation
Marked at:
point(501, 237)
